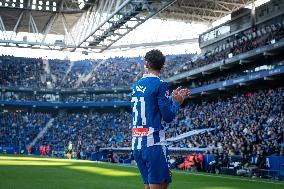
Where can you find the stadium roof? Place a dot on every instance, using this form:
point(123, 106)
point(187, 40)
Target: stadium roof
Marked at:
point(67, 17)
point(206, 11)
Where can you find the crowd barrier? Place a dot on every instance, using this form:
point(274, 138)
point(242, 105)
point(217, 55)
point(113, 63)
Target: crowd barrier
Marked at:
point(273, 163)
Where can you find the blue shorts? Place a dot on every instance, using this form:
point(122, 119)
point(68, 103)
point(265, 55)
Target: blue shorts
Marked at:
point(153, 164)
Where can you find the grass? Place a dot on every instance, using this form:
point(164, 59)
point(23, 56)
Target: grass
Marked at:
point(47, 173)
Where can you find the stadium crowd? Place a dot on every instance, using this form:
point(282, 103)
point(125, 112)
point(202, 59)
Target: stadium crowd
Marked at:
point(96, 73)
point(244, 124)
point(87, 130)
point(91, 130)
point(248, 123)
point(18, 129)
point(28, 72)
point(21, 72)
point(238, 44)
point(121, 71)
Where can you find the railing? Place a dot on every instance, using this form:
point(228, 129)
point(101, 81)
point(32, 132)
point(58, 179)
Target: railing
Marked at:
point(65, 104)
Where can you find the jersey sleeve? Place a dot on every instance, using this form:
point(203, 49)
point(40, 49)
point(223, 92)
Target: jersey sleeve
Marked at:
point(168, 108)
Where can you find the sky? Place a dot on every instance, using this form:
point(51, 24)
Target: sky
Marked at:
point(153, 30)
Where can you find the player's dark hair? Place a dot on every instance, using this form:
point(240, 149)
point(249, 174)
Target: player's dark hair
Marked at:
point(155, 59)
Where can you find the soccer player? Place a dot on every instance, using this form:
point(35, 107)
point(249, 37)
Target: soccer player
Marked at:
point(151, 102)
point(70, 148)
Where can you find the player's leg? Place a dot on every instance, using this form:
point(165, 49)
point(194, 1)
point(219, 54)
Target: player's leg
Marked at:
point(159, 175)
point(141, 164)
point(165, 186)
point(159, 186)
point(147, 186)
point(155, 186)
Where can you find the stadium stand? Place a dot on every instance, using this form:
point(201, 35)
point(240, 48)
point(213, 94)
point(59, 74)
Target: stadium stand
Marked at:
point(253, 121)
point(21, 72)
point(241, 43)
point(124, 71)
point(248, 124)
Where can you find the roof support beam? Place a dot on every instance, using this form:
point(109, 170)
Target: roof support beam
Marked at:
point(206, 9)
point(2, 26)
point(84, 38)
point(204, 18)
point(227, 2)
point(17, 25)
point(49, 26)
point(3, 29)
point(67, 31)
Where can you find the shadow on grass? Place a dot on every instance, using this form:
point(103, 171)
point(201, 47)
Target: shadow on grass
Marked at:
point(67, 176)
point(35, 173)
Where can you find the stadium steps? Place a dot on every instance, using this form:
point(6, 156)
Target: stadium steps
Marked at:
point(42, 132)
point(46, 66)
point(46, 69)
point(89, 75)
point(68, 71)
point(43, 78)
point(47, 73)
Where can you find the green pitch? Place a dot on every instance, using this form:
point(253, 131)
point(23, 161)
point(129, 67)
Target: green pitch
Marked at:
point(46, 173)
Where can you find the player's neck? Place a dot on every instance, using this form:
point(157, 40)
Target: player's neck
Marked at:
point(154, 72)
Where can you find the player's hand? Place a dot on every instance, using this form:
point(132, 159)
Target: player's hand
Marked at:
point(184, 92)
point(180, 94)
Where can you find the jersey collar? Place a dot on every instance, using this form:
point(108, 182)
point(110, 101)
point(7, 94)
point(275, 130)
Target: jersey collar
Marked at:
point(149, 75)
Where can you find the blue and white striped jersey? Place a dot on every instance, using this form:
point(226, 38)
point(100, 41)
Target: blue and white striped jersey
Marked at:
point(151, 102)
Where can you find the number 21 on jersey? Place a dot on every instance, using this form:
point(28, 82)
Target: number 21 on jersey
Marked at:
point(140, 100)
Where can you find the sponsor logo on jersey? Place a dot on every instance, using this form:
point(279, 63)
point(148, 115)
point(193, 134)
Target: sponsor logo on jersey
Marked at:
point(139, 132)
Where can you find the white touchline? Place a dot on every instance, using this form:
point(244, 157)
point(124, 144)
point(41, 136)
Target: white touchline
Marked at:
point(200, 174)
point(229, 177)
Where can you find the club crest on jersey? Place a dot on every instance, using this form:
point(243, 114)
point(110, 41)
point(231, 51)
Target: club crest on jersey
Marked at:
point(140, 89)
point(167, 94)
